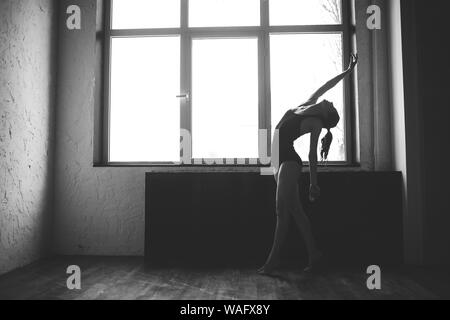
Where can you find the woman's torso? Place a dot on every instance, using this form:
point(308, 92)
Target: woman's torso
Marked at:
point(287, 131)
point(290, 125)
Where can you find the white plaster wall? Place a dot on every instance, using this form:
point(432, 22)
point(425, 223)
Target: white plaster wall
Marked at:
point(26, 129)
point(397, 90)
point(98, 211)
point(398, 121)
point(373, 106)
point(406, 130)
point(398, 109)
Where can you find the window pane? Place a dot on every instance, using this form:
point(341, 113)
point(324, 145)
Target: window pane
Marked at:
point(305, 12)
point(300, 64)
point(225, 98)
point(145, 14)
point(223, 13)
point(145, 113)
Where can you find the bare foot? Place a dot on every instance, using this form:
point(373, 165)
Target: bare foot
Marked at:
point(267, 270)
point(315, 262)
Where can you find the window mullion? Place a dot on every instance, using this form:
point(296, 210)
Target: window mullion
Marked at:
point(107, 83)
point(264, 69)
point(348, 83)
point(185, 85)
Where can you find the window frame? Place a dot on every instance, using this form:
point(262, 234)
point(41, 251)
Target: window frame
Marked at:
point(187, 34)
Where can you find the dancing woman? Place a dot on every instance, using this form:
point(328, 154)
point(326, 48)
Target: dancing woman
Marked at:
point(310, 117)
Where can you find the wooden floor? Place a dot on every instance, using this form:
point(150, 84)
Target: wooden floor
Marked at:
point(129, 278)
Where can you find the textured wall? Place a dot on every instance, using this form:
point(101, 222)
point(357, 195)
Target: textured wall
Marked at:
point(97, 210)
point(26, 129)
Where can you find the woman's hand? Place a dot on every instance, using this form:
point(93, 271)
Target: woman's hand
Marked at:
point(353, 62)
point(314, 193)
point(333, 82)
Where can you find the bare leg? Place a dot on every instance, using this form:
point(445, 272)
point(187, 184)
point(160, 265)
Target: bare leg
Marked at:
point(287, 177)
point(288, 204)
point(304, 225)
point(281, 230)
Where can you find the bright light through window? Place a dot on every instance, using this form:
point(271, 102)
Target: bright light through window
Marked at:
point(145, 113)
point(142, 14)
point(225, 98)
point(305, 12)
point(223, 13)
point(300, 64)
point(218, 74)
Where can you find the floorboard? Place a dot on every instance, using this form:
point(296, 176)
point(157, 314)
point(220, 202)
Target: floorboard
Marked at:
point(130, 279)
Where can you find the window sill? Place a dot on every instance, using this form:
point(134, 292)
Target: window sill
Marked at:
point(164, 168)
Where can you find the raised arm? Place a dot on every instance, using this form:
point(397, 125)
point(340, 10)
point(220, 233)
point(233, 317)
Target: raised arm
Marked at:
point(333, 82)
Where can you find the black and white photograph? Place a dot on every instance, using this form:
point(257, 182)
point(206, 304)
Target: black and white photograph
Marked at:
point(223, 158)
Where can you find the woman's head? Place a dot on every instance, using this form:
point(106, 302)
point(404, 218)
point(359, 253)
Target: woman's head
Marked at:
point(330, 115)
point(326, 111)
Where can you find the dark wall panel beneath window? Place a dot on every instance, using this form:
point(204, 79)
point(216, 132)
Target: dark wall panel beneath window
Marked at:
point(228, 219)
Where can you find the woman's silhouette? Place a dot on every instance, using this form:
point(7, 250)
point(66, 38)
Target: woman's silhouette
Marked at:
point(310, 117)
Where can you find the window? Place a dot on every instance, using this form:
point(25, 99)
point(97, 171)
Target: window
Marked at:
point(225, 106)
point(206, 81)
point(145, 115)
point(224, 13)
point(296, 73)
